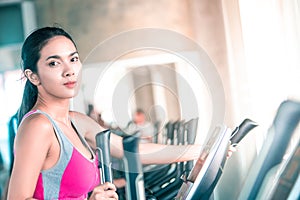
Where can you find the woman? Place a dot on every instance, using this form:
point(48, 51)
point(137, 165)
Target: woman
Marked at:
point(53, 146)
point(52, 160)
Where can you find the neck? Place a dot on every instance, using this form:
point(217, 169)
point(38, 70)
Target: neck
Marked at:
point(57, 109)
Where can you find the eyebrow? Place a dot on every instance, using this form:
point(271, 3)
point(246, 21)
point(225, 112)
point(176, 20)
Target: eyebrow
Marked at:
point(58, 57)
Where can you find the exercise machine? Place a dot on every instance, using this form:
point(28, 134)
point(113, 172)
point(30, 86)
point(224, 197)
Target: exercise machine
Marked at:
point(208, 169)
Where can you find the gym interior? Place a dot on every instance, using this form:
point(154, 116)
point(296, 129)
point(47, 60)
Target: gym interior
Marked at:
point(208, 72)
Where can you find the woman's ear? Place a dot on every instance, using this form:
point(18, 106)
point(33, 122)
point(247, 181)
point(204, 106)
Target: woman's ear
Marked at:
point(32, 77)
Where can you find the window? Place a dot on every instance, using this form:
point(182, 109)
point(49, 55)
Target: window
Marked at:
point(11, 24)
point(11, 90)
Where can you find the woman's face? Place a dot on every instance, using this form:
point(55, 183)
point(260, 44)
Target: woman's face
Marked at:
point(59, 68)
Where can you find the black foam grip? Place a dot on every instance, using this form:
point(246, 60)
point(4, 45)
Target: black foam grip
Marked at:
point(241, 131)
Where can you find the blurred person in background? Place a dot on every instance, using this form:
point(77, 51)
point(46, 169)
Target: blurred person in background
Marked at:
point(140, 123)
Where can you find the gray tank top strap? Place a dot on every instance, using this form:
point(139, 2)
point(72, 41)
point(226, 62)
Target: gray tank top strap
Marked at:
point(58, 132)
point(52, 177)
point(66, 146)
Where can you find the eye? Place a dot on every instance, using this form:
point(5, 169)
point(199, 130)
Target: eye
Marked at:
point(53, 63)
point(75, 59)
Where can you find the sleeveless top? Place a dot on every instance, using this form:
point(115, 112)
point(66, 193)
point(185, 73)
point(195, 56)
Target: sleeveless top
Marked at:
point(73, 176)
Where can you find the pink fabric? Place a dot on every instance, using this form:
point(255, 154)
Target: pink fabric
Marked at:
point(28, 114)
point(79, 177)
point(39, 192)
point(72, 177)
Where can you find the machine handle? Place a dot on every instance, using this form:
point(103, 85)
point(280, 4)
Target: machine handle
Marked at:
point(133, 168)
point(103, 149)
point(241, 131)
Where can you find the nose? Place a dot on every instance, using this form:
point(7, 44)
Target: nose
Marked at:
point(69, 70)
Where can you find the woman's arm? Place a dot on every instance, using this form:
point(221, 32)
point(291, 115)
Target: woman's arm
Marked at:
point(32, 144)
point(150, 153)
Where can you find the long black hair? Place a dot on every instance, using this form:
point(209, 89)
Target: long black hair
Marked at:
point(30, 56)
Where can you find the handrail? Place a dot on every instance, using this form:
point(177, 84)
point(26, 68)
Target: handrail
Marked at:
point(274, 147)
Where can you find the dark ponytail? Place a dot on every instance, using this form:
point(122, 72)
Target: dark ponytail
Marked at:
point(30, 56)
point(28, 100)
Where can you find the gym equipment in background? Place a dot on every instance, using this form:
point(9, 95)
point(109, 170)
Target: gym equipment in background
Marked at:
point(135, 189)
point(205, 174)
point(273, 149)
point(103, 150)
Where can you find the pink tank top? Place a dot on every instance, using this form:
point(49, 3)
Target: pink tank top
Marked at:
point(73, 176)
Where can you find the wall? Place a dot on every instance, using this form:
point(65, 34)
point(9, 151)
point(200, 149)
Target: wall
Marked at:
point(93, 21)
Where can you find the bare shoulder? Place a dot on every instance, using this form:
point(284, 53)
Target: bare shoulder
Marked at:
point(80, 118)
point(85, 123)
point(35, 127)
point(78, 115)
point(35, 122)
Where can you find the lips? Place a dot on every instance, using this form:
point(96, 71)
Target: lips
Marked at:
point(70, 84)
